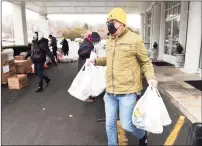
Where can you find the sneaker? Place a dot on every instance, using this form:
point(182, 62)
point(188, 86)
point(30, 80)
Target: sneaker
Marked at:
point(39, 89)
point(47, 82)
point(143, 141)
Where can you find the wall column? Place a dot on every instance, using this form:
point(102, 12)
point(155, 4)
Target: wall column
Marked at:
point(193, 44)
point(19, 23)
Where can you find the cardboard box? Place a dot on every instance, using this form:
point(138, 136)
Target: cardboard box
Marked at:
point(20, 57)
point(23, 66)
point(22, 62)
point(11, 63)
point(4, 77)
point(12, 72)
point(23, 70)
point(17, 81)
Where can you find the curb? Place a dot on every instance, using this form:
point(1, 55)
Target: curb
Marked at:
point(189, 116)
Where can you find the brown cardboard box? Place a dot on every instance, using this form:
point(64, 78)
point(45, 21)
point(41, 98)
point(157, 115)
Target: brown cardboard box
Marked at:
point(12, 71)
point(4, 77)
point(12, 68)
point(22, 62)
point(20, 57)
point(11, 64)
point(23, 70)
point(23, 66)
point(4, 69)
point(17, 81)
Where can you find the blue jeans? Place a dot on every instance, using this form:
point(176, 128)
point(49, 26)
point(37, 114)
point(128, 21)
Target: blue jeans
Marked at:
point(124, 104)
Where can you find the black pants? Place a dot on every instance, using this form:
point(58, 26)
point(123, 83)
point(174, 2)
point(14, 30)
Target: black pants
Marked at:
point(66, 53)
point(55, 52)
point(81, 62)
point(38, 68)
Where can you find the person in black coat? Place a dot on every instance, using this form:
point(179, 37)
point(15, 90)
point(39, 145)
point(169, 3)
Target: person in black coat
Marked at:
point(39, 50)
point(54, 45)
point(65, 46)
point(86, 47)
point(85, 50)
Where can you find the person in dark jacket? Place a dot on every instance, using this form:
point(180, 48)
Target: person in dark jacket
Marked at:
point(65, 46)
point(85, 50)
point(53, 44)
point(39, 50)
point(86, 47)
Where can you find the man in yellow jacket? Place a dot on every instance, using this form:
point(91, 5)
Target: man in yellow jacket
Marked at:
point(126, 58)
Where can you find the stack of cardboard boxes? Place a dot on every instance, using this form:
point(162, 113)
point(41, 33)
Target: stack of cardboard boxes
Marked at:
point(11, 69)
point(7, 68)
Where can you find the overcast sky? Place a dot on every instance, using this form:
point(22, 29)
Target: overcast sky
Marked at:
point(132, 20)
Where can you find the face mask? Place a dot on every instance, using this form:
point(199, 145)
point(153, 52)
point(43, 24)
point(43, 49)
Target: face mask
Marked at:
point(111, 28)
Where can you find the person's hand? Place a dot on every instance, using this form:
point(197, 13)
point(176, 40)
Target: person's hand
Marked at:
point(153, 83)
point(90, 61)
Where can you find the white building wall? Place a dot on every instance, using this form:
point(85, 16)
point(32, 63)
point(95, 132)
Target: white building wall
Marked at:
point(19, 23)
point(193, 45)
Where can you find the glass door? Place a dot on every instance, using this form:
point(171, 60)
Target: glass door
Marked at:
point(168, 35)
point(171, 35)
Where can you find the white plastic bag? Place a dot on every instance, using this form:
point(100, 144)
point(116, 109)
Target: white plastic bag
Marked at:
point(9, 52)
point(98, 80)
point(164, 116)
point(93, 55)
point(150, 113)
point(80, 87)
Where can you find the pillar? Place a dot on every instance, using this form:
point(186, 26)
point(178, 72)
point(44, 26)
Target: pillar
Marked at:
point(42, 25)
point(1, 47)
point(183, 24)
point(193, 44)
point(146, 30)
point(162, 32)
point(156, 14)
point(0, 31)
point(142, 25)
point(19, 23)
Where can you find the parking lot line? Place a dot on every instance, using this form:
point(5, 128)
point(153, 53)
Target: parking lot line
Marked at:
point(174, 133)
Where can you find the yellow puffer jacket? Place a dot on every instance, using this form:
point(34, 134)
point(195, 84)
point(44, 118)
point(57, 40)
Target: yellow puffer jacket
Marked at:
point(126, 56)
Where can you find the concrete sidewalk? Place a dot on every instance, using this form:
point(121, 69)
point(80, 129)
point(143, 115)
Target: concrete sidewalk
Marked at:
point(184, 96)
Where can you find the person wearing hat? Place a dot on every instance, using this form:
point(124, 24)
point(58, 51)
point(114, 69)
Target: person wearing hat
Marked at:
point(38, 52)
point(65, 46)
point(85, 50)
point(86, 47)
point(126, 57)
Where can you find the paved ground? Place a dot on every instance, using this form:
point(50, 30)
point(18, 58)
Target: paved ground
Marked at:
point(55, 118)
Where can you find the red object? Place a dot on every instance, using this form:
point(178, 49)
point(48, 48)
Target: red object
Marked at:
point(45, 65)
point(89, 37)
point(33, 71)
